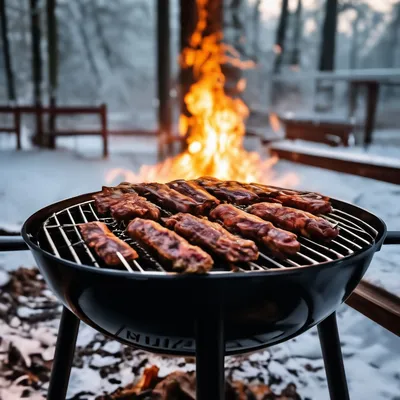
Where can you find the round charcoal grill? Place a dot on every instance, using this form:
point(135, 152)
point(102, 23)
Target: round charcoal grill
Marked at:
point(208, 316)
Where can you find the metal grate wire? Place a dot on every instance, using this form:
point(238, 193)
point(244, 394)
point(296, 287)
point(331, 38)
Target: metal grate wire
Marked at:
point(62, 238)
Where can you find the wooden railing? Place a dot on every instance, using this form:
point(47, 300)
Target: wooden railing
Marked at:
point(53, 112)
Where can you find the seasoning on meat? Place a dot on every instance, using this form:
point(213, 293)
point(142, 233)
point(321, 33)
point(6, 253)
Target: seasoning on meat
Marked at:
point(294, 220)
point(170, 246)
point(212, 236)
point(231, 191)
point(168, 198)
point(97, 236)
point(280, 242)
point(196, 192)
point(129, 207)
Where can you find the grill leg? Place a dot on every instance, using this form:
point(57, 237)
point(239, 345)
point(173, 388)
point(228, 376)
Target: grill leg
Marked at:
point(64, 354)
point(333, 360)
point(210, 353)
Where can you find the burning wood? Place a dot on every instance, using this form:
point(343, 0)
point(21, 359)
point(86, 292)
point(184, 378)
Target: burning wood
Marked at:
point(182, 386)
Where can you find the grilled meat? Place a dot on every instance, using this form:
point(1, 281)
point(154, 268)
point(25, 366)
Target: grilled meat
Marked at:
point(129, 207)
point(212, 236)
point(108, 197)
point(250, 193)
point(97, 236)
point(196, 192)
point(294, 220)
point(231, 191)
point(280, 242)
point(168, 198)
point(170, 246)
point(312, 202)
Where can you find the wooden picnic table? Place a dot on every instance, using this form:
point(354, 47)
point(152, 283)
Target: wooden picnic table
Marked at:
point(371, 79)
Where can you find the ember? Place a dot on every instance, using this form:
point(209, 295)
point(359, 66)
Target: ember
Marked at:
point(181, 386)
point(215, 129)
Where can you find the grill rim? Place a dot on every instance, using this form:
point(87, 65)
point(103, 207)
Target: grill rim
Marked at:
point(40, 216)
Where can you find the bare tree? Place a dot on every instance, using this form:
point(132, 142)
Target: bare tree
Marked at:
point(328, 42)
point(280, 36)
point(36, 66)
point(256, 29)
point(6, 53)
point(295, 61)
point(52, 58)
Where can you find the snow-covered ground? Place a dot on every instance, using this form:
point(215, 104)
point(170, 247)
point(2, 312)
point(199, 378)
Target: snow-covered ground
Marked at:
point(31, 179)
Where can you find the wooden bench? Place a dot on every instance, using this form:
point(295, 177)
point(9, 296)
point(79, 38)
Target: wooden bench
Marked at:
point(333, 132)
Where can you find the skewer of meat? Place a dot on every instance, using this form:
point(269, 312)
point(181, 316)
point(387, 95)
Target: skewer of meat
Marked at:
point(124, 204)
point(279, 241)
point(294, 220)
point(196, 192)
point(212, 236)
point(169, 198)
point(97, 236)
point(170, 246)
point(230, 191)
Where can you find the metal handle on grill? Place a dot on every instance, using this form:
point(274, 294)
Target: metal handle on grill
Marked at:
point(12, 243)
point(392, 237)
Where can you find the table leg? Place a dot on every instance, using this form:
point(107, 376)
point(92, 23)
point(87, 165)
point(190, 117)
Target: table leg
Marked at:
point(372, 101)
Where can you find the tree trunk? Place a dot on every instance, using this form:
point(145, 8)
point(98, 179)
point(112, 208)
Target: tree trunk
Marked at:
point(256, 30)
point(86, 41)
point(353, 56)
point(6, 53)
point(280, 36)
point(295, 62)
point(52, 58)
point(328, 42)
point(36, 67)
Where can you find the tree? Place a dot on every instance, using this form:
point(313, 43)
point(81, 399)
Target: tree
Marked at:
point(52, 58)
point(328, 42)
point(36, 66)
point(6, 53)
point(295, 61)
point(280, 36)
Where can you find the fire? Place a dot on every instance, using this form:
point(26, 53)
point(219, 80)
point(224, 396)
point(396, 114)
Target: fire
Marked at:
point(215, 129)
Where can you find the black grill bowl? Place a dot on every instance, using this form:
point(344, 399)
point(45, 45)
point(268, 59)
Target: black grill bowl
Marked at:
point(159, 312)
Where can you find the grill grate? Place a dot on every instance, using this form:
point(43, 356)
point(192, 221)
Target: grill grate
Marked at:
point(61, 237)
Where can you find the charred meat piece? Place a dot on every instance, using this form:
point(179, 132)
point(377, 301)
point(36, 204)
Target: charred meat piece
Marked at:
point(213, 237)
point(168, 198)
point(196, 192)
point(280, 242)
point(230, 191)
point(97, 236)
point(129, 207)
point(108, 197)
point(312, 202)
point(170, 246)
point(294, 220)
point(306, 202)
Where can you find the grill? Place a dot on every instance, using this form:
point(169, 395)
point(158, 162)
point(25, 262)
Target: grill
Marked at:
point(62, 238)
point(224, 312)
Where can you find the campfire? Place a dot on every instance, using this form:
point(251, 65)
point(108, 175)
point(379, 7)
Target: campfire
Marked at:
point(215, 128)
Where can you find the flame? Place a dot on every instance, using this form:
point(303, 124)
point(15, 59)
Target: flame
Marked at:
point(274, 122)
point(215, 129)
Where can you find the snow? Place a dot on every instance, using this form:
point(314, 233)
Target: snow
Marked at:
point(33, 178)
